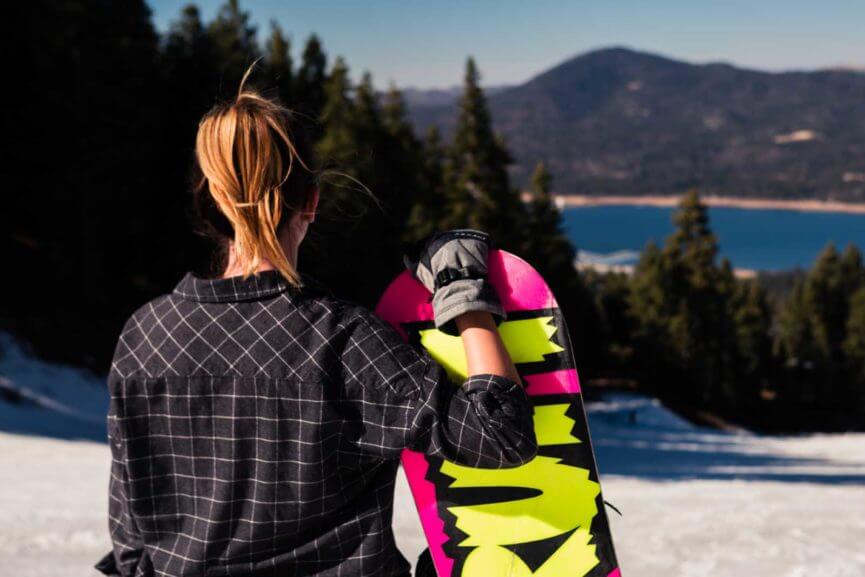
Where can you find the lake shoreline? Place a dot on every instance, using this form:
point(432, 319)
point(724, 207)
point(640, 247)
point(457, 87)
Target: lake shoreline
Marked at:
point(628, 269)
point(660, 201)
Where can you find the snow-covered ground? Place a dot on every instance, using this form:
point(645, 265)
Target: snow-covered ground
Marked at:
point(695, 502)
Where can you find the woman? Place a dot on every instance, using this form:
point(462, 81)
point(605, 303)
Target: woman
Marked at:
point(256, 422)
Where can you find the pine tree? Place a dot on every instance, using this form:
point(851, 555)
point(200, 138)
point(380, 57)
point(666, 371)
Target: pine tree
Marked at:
point(827, 300)
point(235, 44)
point(337, 146)
point(854, 348)
point(683, 301)
point(652, 307)
point(120, 137)
point(311, 78)
point(693, 244)
point(368, 131)
point(698, 327)
point(355, 230)
point(546, 243)
point(279, 65)
point(86, 76)
point(384, 165)
point(615, 328)
point(402, 157)
point(328, 253)
point(482, 196)
point(854, 343)
point(190, 69)
point(429, 209)
point(796, 341)
point(796, 347)
point(187, 45)
point(189, 64)
point(752, 317)
point(387, 170)
point(549, 250)
point(852, 272)
point(395, 118)
point(815, 319)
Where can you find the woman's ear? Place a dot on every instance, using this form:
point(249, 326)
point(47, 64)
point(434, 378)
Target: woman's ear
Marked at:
point(311, 205)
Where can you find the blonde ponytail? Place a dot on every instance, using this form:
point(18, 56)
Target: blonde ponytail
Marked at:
point(253, 171)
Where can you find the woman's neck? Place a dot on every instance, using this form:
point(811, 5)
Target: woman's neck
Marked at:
point(289, 242)
point(235, 265)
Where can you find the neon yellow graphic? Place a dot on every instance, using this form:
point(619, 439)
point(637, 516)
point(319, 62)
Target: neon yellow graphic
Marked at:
point(566, 503)
point(553, 426)
point(575, 557)
point(527, 340)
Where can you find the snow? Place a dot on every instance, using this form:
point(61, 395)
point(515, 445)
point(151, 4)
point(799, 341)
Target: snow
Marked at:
point(701, 502)
point(53, 400)
point(695, 502)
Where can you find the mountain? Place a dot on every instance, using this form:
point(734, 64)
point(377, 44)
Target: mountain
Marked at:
point(419, 98)
point(618, 121)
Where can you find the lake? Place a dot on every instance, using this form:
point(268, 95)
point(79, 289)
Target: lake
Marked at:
point(751, 239)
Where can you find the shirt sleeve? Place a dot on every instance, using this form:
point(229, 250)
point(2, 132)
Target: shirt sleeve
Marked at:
point(407, 401)
point(128, 547)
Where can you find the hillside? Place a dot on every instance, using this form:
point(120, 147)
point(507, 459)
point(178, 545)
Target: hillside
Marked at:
point(616, 121)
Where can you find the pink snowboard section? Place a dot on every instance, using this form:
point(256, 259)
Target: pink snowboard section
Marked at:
point(506, 272)
point(415, 467)
point(560, 382)
point(405, 301)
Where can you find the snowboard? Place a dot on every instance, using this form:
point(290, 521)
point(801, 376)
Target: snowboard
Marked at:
point(545, 518)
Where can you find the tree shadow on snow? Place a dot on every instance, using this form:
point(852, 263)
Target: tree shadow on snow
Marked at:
point(24, 412)
point(637, 437)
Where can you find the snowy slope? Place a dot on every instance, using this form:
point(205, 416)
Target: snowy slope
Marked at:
point(695, 502)
point(51, 400)
point(636, 436)
point(701, 503)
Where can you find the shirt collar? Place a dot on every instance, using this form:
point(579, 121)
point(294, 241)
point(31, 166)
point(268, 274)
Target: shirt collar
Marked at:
point(236, 288)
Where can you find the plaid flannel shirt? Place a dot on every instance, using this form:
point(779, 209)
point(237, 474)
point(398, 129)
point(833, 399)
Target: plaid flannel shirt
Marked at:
point(255, 429)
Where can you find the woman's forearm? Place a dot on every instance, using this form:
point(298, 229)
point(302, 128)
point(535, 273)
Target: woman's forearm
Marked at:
point(485, 351)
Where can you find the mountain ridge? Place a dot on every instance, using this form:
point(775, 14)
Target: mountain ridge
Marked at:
point(621, 121)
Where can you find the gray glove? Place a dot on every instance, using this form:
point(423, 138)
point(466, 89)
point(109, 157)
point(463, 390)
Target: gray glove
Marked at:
point(453, 266)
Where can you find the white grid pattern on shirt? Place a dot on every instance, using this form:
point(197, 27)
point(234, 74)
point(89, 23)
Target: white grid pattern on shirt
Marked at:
point(255, 430)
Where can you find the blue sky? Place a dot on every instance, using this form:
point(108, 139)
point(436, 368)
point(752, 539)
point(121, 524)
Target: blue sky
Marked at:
point(425, 44)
